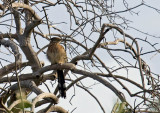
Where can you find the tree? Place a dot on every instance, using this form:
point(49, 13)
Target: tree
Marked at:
point(95, 35)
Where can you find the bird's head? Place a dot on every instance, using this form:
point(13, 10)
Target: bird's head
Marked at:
point(56, 40)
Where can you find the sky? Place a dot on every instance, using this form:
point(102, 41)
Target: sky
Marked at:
point(147, 20)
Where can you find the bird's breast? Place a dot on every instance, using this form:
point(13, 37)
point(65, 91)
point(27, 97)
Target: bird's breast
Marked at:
point(56, 54)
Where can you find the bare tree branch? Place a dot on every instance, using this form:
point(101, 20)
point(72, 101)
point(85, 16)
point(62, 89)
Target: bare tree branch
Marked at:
point(44, 95)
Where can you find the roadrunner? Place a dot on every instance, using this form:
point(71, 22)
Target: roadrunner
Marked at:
point(56, 55)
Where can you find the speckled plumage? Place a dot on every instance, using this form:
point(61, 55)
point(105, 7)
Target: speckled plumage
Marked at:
point(56, 55)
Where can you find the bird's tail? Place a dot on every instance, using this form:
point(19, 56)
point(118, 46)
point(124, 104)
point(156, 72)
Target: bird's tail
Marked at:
point(61, 83)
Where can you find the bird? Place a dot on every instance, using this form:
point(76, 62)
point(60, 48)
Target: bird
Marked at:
point(56, 54)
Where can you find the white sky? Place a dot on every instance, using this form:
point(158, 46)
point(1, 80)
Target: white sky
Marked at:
point(147, 20)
